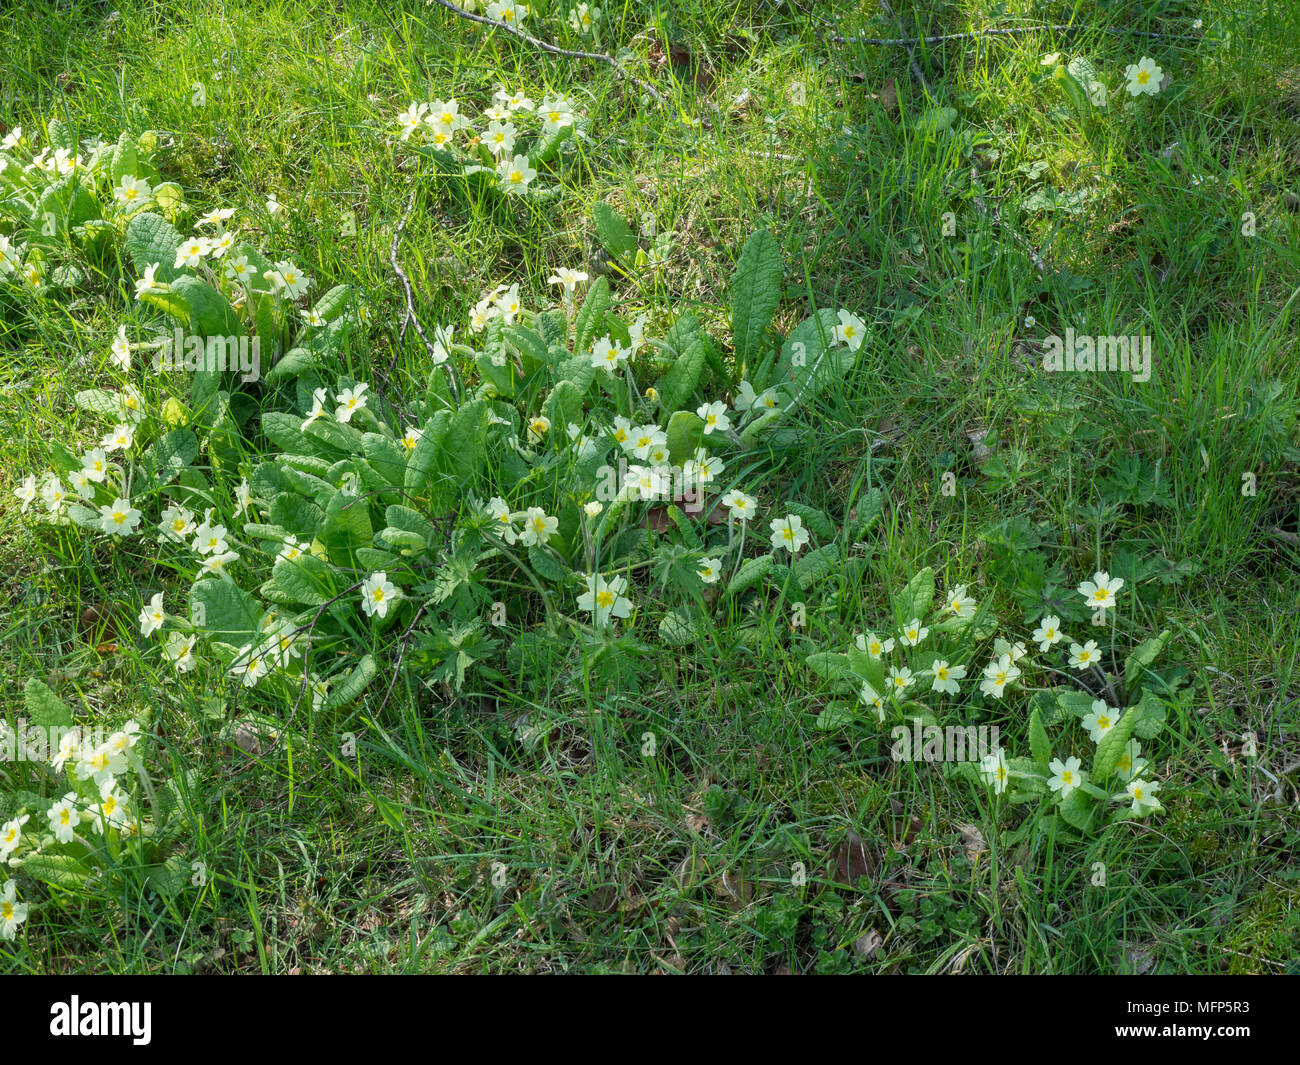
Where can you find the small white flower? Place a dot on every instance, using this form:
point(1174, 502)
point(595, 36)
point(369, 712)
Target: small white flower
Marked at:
point(377, 593)
point(119, 519)
point(132, 192)
point(710, 569)
point(349, 401)
point(1101, 590)
point(741, 507)
point(850, 331)
point(539, 527)
point(515, 175)
point(179, 650)
point(1144, 77)
point(26, 492)
point(946, 677)
point(788, 532)
point(714, 416)
point(11, 835)
point(12, 912)
point(569, 279)
point(1065, 776)
point(152, 616)
point(913, 633)
point(1048, 633)
point(604, 598)
point(319, 397)
point(1100, 721)
point(64, 818)
point(874, 646)
point(994, 769)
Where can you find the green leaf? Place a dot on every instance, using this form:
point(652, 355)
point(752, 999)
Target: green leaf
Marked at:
point(1112, 746)
point(755, 294)
point(306, 579)
point(170, 877)
point(545, 565)
point(563, 405)
point(679, 628)
point(464, 449)
point(937, 120)
point(867, 513)
point(1039, 744)
point(816, 565)
point(150, 238)
point(816, 520)
point(830, 665)
point(291, 364)
point(44, 708)
point(1144, 654)
point(300, 516)
point(210, 313)
point(836, 715)
point(225, 612)
point(751, 572)
point(424, 456)
point(685, 433)
point(683, 376)
point(354, 684)
point(1078, 809)
point(386, 455)
point(615, 235)
point(808, 362)
point(63, 205)
point(346, 527)
point(101, 402)
point(1151, 715)
point(60, 870)
point(125, 158)
point(530, 345)
point(334, 302)
point(591, 316)
point(168, 196)
point(1076, 704)
point(164, 459)
point(916, 600)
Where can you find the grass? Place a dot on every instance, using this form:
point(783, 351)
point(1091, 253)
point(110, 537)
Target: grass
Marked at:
point(527, 825)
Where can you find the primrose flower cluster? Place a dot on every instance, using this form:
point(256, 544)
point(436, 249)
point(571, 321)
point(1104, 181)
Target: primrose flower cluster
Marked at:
point(68, 189)
point(932, 659)
point(507, 142)
point(99, 799)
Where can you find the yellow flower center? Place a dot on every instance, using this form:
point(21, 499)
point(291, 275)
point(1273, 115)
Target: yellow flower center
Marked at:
point(605, 599)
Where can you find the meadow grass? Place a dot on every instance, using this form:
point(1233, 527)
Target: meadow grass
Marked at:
point(519, 826)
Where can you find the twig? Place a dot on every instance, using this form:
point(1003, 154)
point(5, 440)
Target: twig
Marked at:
point(411, 317)
point(401, 654)
point(1008, 32)
point(545, 46)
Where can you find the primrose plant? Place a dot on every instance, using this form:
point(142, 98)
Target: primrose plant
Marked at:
point(504, 148)
point(924, 662)
point(81, 810)
point(534, 495)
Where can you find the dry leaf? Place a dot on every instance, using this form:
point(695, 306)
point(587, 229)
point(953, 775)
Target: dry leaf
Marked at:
point(888, 97)
point(852, 860)
point(972, 841)
point(866, 945)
